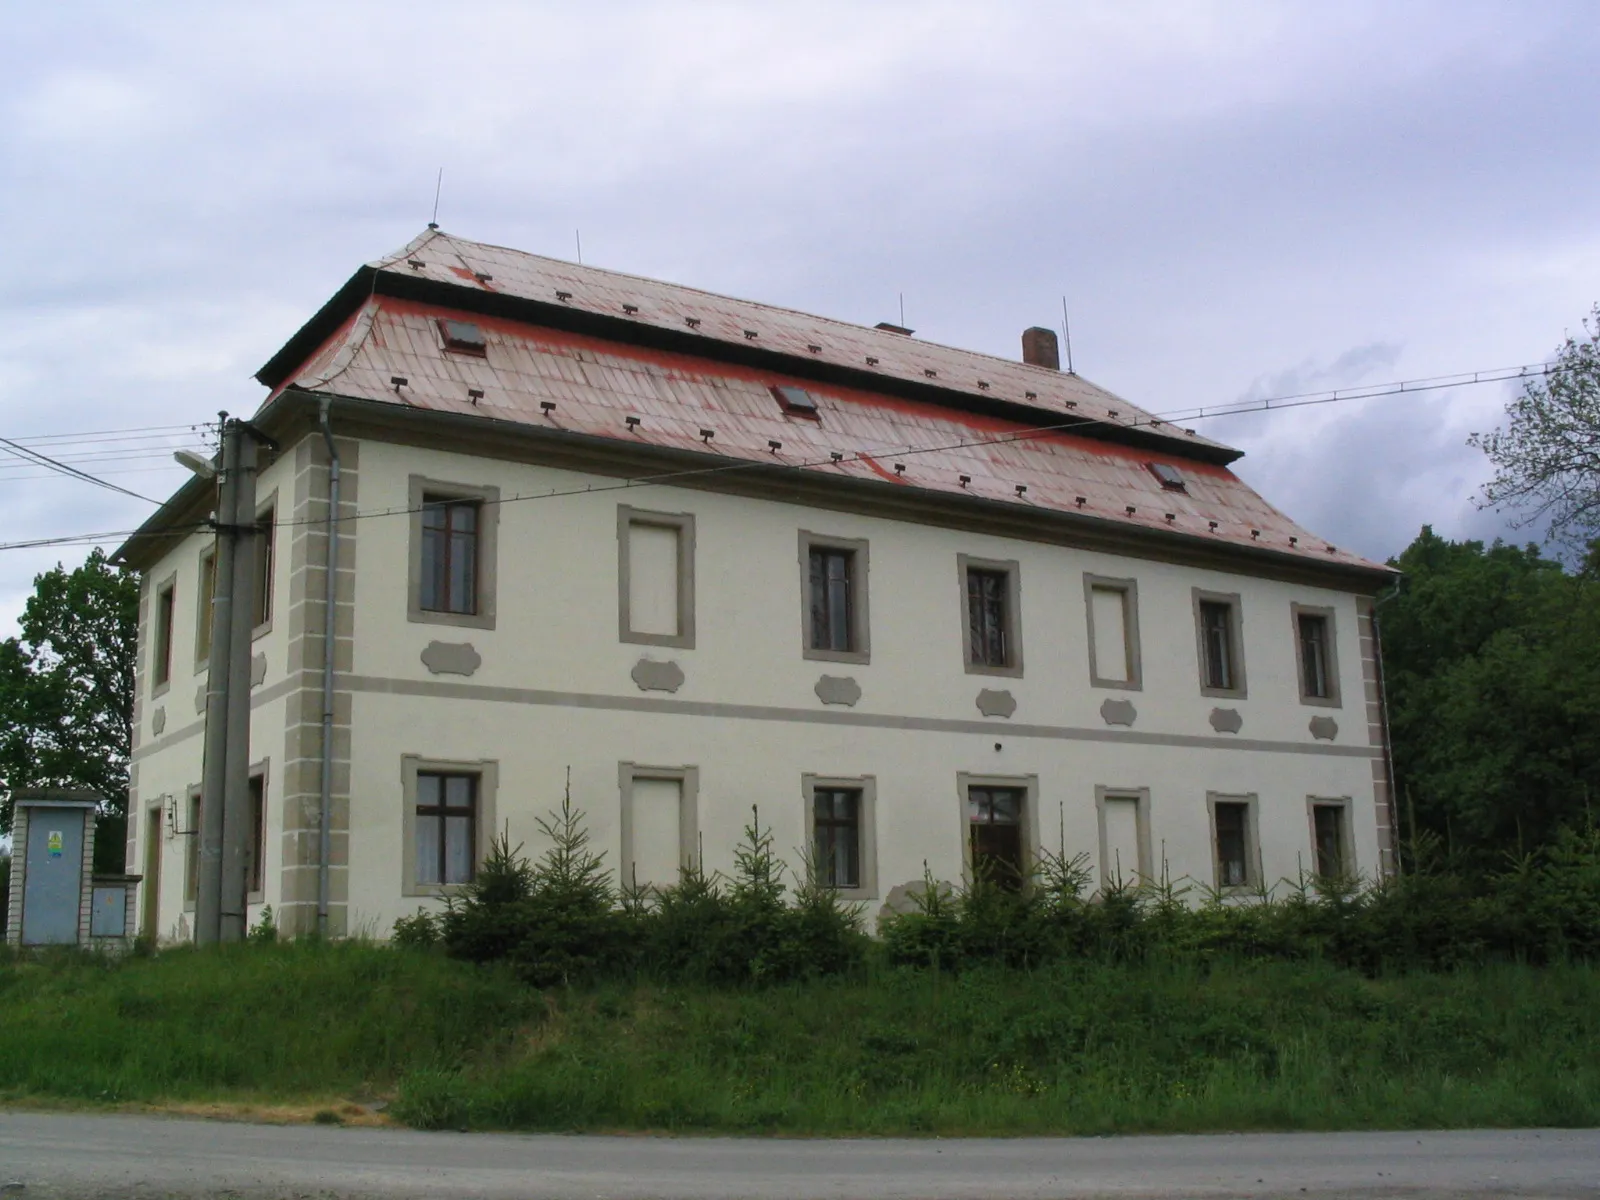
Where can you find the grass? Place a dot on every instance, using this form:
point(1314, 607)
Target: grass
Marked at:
point(1077, 1048)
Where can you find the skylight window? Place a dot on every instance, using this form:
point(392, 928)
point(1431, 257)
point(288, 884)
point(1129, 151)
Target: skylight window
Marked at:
point(463, 337)
point(1171, 478)
point(797, 401)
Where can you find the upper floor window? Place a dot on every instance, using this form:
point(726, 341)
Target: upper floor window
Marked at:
point(655, 577)
point(207, 594)
point(161, 636)
point(452, 570)
point(261, 603)
point(834, 598)
point(992, 591)
point(1315, 660)
point(1221, 654)
point(449, 555)
point(1113, 613)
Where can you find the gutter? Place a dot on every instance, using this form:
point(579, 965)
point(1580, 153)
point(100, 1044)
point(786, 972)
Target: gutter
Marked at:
point(324, 831)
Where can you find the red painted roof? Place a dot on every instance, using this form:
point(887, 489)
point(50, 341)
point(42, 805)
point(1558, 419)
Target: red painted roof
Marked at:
point(597, 383)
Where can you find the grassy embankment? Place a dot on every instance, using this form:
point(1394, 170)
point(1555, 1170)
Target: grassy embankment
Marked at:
point(1076, 1048)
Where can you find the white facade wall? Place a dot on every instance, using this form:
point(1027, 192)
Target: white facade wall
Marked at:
point(555, 690)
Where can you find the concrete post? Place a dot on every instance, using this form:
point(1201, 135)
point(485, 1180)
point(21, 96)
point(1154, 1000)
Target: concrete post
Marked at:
point(208, 897)
point(236, 783)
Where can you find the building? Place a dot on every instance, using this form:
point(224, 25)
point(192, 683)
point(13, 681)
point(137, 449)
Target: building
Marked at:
point(917, 604)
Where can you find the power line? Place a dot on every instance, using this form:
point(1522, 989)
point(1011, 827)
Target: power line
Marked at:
point(70, 472)
point(1268, 404)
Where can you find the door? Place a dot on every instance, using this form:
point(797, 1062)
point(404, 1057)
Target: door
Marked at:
point(53, 889)
point(150, 924)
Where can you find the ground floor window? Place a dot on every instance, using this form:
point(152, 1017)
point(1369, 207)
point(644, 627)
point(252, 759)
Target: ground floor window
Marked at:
point(994, 831)
point(1233, 838)
point(1329, 830)
point(836, 834)
point(446, 828)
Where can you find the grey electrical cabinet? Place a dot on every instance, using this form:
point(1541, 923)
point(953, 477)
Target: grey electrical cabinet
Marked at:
point(55, 899)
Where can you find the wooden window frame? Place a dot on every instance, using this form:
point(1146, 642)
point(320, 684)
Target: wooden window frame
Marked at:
point(1012, 625)
point(163, 633)
point(205, 595)
point(487, 772)
point(488, 501)
point(1029, 823)
point(265, 549)
point(1330, 655)
point(1252, 841)
point(860, 650)
point(255, 867)
point(1231, 600)
point(1347, 844)
point(866, 788)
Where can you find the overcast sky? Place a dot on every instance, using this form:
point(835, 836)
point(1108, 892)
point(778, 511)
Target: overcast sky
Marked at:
point(1238, 200)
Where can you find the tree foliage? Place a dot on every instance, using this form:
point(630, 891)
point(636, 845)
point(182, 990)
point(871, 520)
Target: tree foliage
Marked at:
point(1547, 459)
point(66, 691)
point(1492, 661)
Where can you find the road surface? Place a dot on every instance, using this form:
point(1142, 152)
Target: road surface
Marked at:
point(114, 1157)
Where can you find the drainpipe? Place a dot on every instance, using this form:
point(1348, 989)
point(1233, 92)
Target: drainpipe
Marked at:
point(325, 834)
point(1388, 743)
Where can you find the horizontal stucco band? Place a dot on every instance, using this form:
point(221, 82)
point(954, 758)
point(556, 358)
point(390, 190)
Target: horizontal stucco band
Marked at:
point(754, 712)
point(261, 697)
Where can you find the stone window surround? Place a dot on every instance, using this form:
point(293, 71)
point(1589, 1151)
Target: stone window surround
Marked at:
point(627, 517)
point(1347, 841)
point(867, 826)
point(1252, 840)
point(860, 617)
point(1240, 690)
point(1130, 625)
point(488, 500)
point(202, 619)
point(488, 772)
point(159, 686)
point(1145, 868)
point(1012, 569)
point(261, 770)
point(1330, 648)
point(1028, 785)
point(265, 506)
point(688, 779)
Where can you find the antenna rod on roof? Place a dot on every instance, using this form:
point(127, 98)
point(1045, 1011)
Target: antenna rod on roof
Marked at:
point(437, 184)
point(1066, 335)
point(902, 310)
point(578, 236)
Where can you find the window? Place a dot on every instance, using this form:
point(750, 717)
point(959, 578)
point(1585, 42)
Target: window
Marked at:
point(191, 851)
point(840, 814)
point(1113, 611)
point(449, 555)
point(1217, 627)
point(1330, 834)
point(797, 402)
point(452, 568)
point(1124, 834)
point(660, 826)
point(463, 337)
point(999, 826)
point(1315, 660)
point(161, 638)
point(991, 594)
point(207, 593)
point(261, 603)
point(833, 577)
point(447, 827)
point(255, 866)
point(1171, 478)
point(1234, 841)
point(655, 577)
point(449, 810)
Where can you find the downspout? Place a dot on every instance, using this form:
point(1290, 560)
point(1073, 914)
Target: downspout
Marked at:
point(324, 831)
point(1388, 742)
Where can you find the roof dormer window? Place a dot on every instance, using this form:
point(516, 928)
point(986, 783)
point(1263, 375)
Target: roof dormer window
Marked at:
point(797, 402)
point(1171, 478)
point(463, 337)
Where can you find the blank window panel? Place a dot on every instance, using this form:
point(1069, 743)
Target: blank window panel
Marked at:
point(1111, 634)
point(1121, 815)
point(657, 831)
point(653, 579)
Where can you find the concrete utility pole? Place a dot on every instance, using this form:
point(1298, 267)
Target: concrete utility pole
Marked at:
point(208, 887)
point(236, 781)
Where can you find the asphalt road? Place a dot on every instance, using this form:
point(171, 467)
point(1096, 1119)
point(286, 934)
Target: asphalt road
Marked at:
point(50, 1156)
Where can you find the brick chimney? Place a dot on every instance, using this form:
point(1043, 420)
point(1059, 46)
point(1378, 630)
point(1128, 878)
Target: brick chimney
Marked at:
point(1040, 348)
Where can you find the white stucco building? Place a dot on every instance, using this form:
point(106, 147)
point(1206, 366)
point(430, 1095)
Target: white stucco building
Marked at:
point(918, 604)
